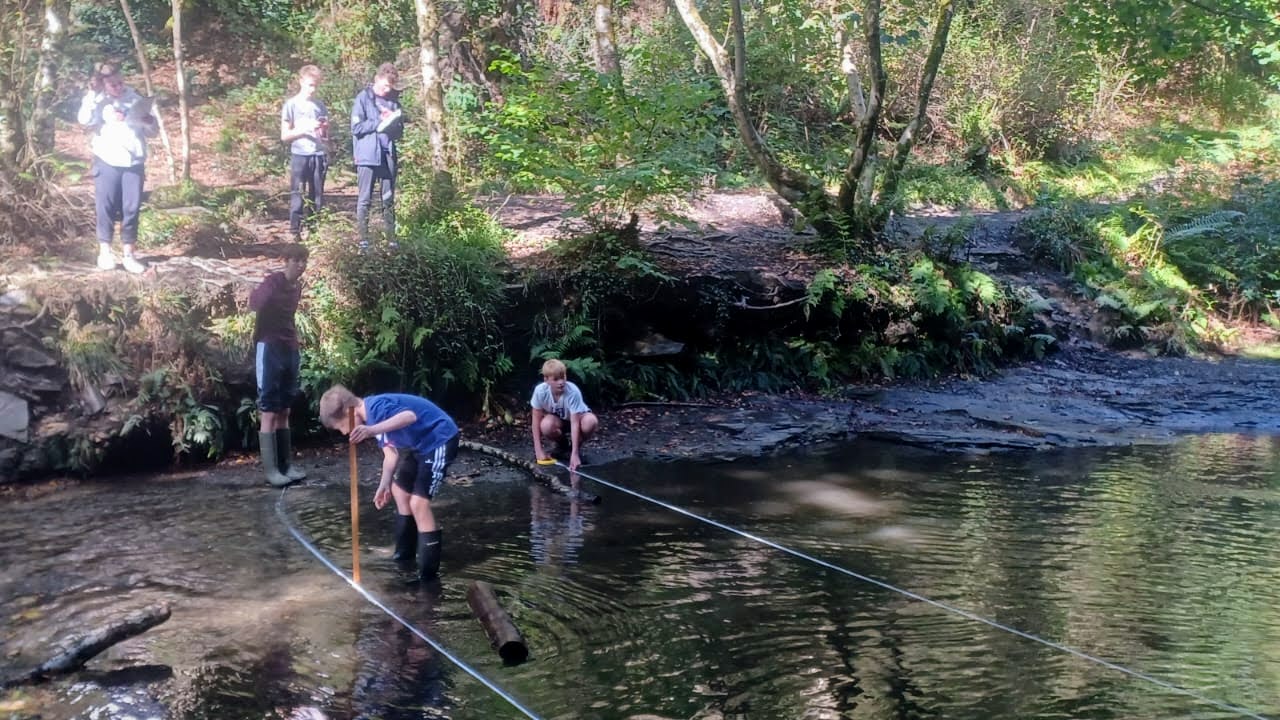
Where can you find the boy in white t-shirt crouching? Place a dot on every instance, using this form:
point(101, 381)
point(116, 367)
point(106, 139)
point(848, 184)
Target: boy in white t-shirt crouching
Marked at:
point(560, 411)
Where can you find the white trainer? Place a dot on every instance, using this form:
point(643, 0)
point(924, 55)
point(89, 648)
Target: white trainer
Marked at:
point(132, 265)
point(106, 261)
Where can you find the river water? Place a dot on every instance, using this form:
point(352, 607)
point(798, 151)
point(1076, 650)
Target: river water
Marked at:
point(1117, 583)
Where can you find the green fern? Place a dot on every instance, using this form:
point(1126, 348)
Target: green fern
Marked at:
point(1212, 223)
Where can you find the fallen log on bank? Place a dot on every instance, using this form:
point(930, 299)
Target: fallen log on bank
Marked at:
point(78, 651)
point(543, 476)
point(503, 634)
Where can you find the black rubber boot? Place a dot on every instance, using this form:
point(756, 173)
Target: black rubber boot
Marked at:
point(405, 531)
point(429, 545)
point(284, 454)
point(270, 459)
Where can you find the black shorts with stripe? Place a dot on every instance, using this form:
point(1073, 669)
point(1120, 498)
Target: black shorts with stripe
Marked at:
point(422, 474)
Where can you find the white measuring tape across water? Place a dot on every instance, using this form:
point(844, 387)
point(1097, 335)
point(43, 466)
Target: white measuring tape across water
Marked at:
point(781, 548)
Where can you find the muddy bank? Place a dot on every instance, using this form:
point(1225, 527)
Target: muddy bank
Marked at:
point(1079, 398)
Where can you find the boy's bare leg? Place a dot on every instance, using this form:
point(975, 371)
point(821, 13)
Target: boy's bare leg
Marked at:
point(587, 425)
point(271, 421)
point(420, 507)
point(401, 497)
point(550, 428)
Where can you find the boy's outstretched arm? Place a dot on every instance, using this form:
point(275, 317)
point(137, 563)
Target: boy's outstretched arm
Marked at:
point(537, 415)
point(390, 457)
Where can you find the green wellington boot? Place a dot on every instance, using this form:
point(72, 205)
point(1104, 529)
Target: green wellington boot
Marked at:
point(284, 453)
point(271, 460)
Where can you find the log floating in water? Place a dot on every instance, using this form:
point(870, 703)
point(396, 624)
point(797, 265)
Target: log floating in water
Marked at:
point(540, 474)
point(81, 650)
point(503, 634)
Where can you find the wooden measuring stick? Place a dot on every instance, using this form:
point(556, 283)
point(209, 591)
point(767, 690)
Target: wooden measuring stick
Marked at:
point(355, 502)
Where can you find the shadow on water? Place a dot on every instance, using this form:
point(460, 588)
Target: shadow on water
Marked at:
point(1158, 559)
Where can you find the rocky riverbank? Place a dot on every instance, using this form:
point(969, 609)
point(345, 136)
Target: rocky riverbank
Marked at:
point(1083, 394)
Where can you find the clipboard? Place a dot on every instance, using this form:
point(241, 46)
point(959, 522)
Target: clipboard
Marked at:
point(386, 122)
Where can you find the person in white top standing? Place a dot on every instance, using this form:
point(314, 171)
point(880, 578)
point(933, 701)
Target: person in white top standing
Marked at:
point(560, 411)
point(304, 124)
point(121, 121)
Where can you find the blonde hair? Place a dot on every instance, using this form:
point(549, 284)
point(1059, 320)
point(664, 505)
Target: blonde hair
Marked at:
point(334, 404)
point(554, 369)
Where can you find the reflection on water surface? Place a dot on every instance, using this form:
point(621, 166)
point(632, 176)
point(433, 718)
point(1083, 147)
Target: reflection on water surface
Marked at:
point(1162, 560)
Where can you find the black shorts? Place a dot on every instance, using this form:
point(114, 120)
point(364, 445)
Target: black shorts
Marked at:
point(276, 366)
point(421, 475)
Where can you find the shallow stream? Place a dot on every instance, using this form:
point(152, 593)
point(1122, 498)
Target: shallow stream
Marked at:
point(1162, 561)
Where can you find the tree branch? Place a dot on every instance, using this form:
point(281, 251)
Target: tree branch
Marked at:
point(946, 11)
point(743, 304)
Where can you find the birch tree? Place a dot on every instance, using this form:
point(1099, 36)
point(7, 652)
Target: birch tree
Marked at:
point(428, 15)
point(184, 112)
point(145, 66)
point(56, 14)
point(32, 36)
point(606, 45)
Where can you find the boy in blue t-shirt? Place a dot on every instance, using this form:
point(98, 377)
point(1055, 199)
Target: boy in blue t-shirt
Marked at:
point(418, 442)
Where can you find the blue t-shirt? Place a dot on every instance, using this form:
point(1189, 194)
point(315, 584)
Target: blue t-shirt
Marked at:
point(432, 429)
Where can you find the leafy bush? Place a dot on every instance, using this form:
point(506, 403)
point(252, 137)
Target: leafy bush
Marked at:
point(1063, 237)
point(423, 318)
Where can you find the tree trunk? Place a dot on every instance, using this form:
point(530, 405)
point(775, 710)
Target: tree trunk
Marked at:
point(432, 96)
point(12, 125)
point(467, 59)
point(41, 127)
point(739, 41)
point(146, 82)
point(606, 43)
point(854, 189)
point(550, 11)
point(852, 76)
point(184, 116)
point(889, 189)
point(794, 186)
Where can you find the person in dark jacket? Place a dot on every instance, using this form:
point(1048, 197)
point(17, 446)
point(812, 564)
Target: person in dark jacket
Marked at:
point(275, 337)
point(377, 122)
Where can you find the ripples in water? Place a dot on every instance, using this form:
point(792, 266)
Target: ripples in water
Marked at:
point(1159, 559)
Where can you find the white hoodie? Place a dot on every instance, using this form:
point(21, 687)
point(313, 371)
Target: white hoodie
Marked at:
point(119, 143)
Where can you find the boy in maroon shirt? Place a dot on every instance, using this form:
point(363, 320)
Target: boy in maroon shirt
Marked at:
point(275, 339)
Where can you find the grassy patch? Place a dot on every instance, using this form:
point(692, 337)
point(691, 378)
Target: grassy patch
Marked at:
point(1269, 351)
